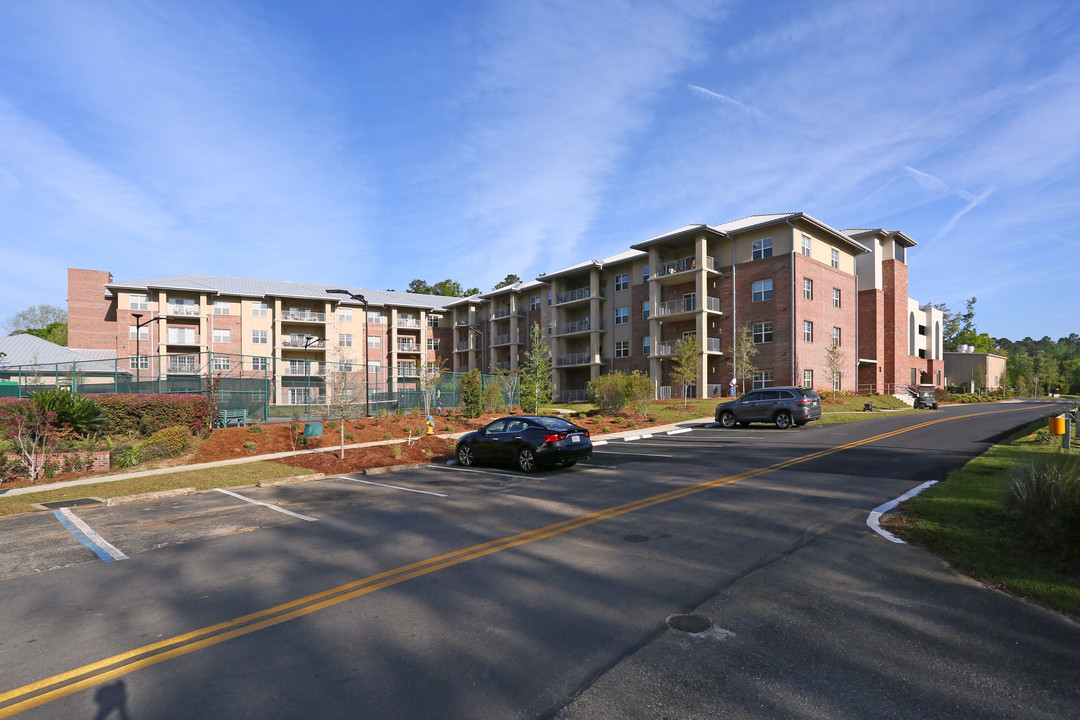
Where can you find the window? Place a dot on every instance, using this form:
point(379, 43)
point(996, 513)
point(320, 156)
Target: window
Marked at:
point(182, 336)
point(222, 364)
point(433, 320)
point(344, 339)
point(374, 366)
point(622, 315)
point(222, 336)
point(139, 302)
point(433, 344)
point(345, 366)
point(835, 258)
point(260, 364)
point(259, 337)
point(259, 309)
point(836, 297)
point(836, 337)
point(914, 376)
point(344, 314)
point(549, 298)
point(140, 362)
point(534, 302)
point(374, 317)
point(622, 282)
point(808, 288)
point(806, 245)
point(645, 274)
point(374, 341)
point(143, 332)
point(763, 332)
point(645, 342)
point(762, 379)
point(221, 307)
point(836, 382)
point(762, 290)
point(808, 378)
point(645, 309)
point(622, 348)
point(807, 331)
point(762, 248)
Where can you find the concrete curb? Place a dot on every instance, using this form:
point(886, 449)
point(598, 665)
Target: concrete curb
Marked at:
point(393, 468)
point(289, 480)
point(158, 495)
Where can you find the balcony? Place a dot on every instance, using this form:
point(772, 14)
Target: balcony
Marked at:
point(183, 310)
point(466, 346)
point(506, 312)
point(187, 339)
point(712, 345)
point(670, 272)
point(505, 365)
point(292, 342)
point(578, 326)
point(667, 348)
point(298, 370)
point(581, 358)
point(464, 323)
point(685, 306)
point(407, 371)
point(295, 315)
point(500, 339)
point(408, 323)
point(573, 296)
point(408, 347)
point(182, 365)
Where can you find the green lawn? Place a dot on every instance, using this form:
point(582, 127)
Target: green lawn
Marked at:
point(966, 521)
point(230, 475)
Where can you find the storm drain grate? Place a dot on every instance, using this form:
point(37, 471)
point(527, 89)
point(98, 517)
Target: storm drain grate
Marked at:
point(77, 502)
point(689, 623)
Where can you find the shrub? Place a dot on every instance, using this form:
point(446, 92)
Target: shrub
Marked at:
point(125, 456)
point(605, 429)
point(255, 429)
point(448, 428)
point(167, 442)
point(302, 440)
point(396, 451)
point(471, 392)
point(639, 391)
point(631, 423)
point(146, 414)
point(387, 435)
point(1045, 493)
point(250, 446)
point(80, 415)
point(608, 392)
point(350, 437)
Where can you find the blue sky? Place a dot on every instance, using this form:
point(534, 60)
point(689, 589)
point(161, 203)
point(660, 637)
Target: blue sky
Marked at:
point(373, 143)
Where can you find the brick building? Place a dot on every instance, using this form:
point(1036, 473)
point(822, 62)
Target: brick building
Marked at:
point(825, 308)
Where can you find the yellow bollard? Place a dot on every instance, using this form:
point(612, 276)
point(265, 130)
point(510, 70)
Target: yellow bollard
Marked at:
point(1057, 425)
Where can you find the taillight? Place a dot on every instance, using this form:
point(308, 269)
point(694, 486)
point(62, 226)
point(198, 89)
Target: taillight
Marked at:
point(555, 438)
point(804, 400)
point(586, 433)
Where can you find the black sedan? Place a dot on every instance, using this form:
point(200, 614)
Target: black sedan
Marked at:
point(527, 441)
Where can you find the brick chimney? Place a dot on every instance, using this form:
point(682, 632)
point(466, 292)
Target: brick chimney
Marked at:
point(91, 313)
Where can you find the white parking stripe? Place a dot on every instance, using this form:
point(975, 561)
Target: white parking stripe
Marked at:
point(605, 467)
point(482, 472)
point(620, 452)
point(395, 487)
point(92, 536)
point(267, 505)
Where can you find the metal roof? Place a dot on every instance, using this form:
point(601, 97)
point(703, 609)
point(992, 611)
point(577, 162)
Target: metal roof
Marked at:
point(23, 349)
point(750, 222)
point(250, 287)
point(896, 234)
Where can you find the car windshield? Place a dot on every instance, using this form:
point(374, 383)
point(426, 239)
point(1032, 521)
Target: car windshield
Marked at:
point(554, 423)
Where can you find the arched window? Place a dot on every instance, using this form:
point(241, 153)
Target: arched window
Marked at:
point(911, 333)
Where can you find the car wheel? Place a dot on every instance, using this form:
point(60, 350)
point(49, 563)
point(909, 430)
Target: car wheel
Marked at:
point(526, 459)
point(465, 455)
point(783, 420)
point(727, 419)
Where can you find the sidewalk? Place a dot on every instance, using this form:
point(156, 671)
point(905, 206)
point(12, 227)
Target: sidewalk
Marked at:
point(96, 479)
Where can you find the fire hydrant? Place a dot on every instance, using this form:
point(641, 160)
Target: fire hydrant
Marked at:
point(430, 426)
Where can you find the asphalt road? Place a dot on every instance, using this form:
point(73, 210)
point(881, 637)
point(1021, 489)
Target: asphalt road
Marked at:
point(451, 593)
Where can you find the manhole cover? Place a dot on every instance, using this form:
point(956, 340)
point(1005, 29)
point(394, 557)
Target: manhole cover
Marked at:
point(77, 502)
point(635, 538)
point(689, 623)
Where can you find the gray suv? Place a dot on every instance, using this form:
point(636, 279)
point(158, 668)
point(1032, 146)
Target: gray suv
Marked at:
point(782, 406)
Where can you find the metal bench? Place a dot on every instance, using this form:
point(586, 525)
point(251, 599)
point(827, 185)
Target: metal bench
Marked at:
point(224, 417)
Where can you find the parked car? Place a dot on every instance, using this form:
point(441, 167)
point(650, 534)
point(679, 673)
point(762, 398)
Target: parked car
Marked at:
point(926, 400)
point(527, 441)
point(782, 406)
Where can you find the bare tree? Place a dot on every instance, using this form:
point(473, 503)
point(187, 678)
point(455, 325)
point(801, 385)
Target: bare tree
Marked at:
point(687, 364)
point(430, 374)
point(743, 352)
point(345, 396)
point(834, 361)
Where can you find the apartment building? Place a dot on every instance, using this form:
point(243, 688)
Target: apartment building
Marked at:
point(297, 334)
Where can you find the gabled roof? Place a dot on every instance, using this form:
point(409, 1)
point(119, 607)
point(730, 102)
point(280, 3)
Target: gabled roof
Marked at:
point(250, 287)
point(23, 349)
point(519, 286)
point(590, 264)
point(730, 228)
point(894, 234)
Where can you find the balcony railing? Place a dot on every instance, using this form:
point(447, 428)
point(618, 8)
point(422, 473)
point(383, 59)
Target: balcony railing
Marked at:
point(299, 371)
point(463, 323)
point(408, 347)
point(500, 339)
point(573, 395)
point(683, 264)
point(574, 295)
point(291, 342)
point(187, 310)
point(183, 365)
point(581, 358)
point(505, 365)
point(685, 305)
point(577, 326)
point(465, 346)
point(713, 345)
point(506, 312)
point(295, 315)
point(407, 371)
point(191, 339)
point(663, 349)
point(408, 322)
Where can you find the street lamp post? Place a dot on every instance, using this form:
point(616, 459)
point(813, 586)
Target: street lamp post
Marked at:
point(138, 355)
point(311, 340)
point(363, 301)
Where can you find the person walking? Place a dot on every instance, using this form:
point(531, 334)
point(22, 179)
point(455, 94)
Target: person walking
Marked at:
point(731, 387)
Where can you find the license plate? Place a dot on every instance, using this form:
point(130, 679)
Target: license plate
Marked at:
point(575, 438)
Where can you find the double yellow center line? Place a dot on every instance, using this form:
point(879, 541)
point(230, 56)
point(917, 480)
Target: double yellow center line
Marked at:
point(58, 686)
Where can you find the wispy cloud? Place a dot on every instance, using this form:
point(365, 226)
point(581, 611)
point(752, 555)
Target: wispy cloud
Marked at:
point(731, 101)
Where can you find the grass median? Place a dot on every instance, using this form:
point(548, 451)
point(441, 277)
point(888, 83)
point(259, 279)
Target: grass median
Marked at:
point(228, 476)
point(968, 520)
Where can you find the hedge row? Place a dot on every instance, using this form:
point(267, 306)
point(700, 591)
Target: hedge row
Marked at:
point(146, 414)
